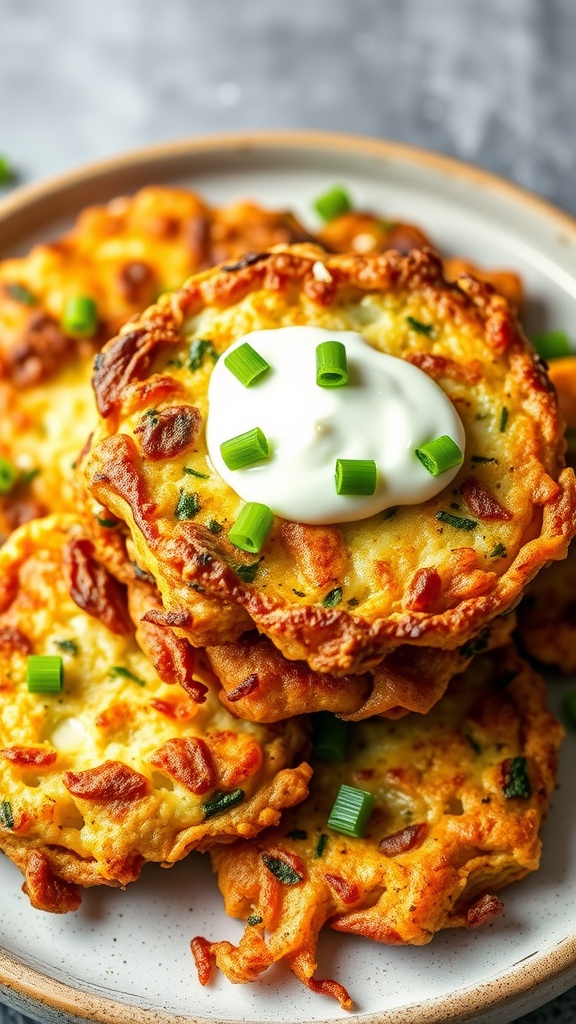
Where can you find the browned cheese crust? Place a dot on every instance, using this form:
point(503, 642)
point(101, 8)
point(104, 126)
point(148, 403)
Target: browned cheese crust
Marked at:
point(121, 255)
point(403, 579)
point(460, 797)
point(547, 616)
point(119, 767)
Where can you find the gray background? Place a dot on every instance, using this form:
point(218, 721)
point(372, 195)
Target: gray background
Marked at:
point(490, 81)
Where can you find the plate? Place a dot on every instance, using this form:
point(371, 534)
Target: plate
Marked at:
point(124, 958)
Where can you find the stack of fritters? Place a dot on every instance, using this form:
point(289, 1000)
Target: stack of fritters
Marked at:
point(190, 667)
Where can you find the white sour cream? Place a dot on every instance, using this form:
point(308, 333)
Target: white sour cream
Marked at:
point(387, 410)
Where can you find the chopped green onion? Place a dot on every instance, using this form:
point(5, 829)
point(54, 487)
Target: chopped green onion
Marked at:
point(80, 316)
point(516, 781)
point(482, 459)
point(245, 449)
point(187, 506)
point(330, 736)
point(499, 551)
point(194, 472)
point(552, 344)
point(28, 475)
point(214, 527)
point(475, 644)
point(297, 833)
point(246, 364)
point(321, 845)
point(356, 476)
point(475, 746)
point(6, 172)
point(247, 573)
point(458, 522)
point(125, 673)
point(254, 919)
point(284, 872)
point(8, 476)
point(69, 646)
point(503, 419)
point(6, 814)
point(351, 811)
point(107, 524)
point(197, 350)
point(439, 455)
point(333, 597)
point(569, 708)
point(252, 527)
point(44, 673)
point(419, 327)
point(219, 802)
point(299, 593)
point(333, 203)
point(20, 293)
point(331, 364)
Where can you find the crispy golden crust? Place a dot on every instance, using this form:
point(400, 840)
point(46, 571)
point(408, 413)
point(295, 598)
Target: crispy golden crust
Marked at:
point(446, 834)
point(547, 616)
point(119, 767)
point(123, 255)
point(477, 355)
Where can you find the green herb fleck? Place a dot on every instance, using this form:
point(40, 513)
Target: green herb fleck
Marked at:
point(125, 673)
point(498, 552)
point(458, 522)
point(194, 472)
point(299, 593)
point(199, 348)
point(248, 572)
point(503, 419)
point(321, 845)
point(219, 802)
point(214, 527)
point(27, 476)
point(352, 602)
point(516, 781)
point(476, 644)
point(281, 870)
point(333, 597)
point(389, 513)
point(20, 293)
point(483, 458)
point(68, 646)
point(6, 172)
point(6, 815)
point(175, 362)
point(569, 708)
point(187, 506)
point(297, 833)
point(108, 524)
point(254, 919)
point(421, 328)
point(475, 746)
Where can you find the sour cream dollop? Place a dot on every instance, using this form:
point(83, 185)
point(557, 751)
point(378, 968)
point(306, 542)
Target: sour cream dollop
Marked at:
point(387, 409)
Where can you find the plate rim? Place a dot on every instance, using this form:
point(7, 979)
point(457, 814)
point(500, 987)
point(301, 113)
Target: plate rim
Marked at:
point(30, 984)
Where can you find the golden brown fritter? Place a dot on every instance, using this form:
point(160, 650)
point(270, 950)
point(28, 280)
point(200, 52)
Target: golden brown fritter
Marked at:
point(410, 578)
point(459, 799)
point(122, 255)
point(118, 768)
point(547, 616)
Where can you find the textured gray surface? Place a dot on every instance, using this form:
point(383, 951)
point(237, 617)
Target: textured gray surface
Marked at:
point(490, 81)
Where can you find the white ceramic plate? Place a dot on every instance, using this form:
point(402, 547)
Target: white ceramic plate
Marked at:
point(123, 958)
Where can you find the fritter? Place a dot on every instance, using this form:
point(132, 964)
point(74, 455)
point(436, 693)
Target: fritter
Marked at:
point(547, 616)
point(459, 799)
point(121, 256)
point(430, 575)
point(117, 768)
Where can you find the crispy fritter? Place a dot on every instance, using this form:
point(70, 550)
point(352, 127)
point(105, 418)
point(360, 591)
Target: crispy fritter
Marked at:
point(122, 255)
point(460, 797)
point(118, 768)
point(547, 616)
point(407, 578)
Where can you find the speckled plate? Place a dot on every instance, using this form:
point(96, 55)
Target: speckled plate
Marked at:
point(124, 958)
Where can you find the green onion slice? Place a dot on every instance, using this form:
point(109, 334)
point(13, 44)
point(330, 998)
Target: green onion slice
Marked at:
point(6, 173)
point(246, 364)
point(356, 476)
point(222, 801)
point(8, 476)
point(439, 455)
point(552, 344)
point(331, 364)
point(330, 737)
point(252, 527)
point(333, 203)
point(351, 811)
point(80, 316)
point(245, 449)
point(458, 522)
point(6, 814)
point(44, 673)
